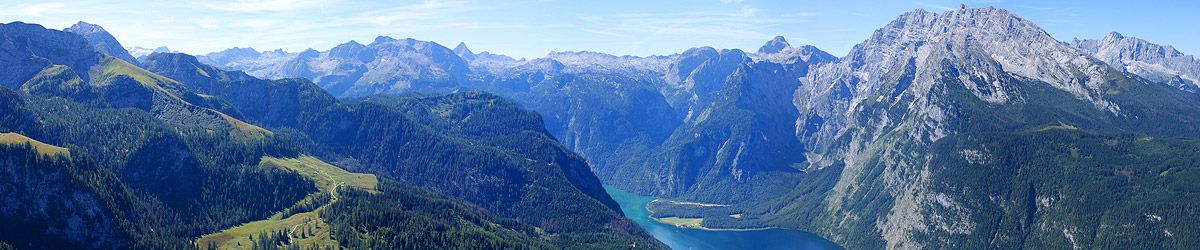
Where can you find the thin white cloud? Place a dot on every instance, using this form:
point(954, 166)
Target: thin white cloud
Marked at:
point(739, 24)
point(803, 14)
point(592, 18)
point(745, 24)
point(264, 25)
point(34, 9)
point(256, 24)
point(426, 10)
point(208, 22)
point(253, 6)
point(606, 33)
point(747, 11)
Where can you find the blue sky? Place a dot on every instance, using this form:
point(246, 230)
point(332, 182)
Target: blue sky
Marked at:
point(531, 28)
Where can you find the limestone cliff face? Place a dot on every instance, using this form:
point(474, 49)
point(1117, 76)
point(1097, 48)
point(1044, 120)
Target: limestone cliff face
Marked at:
point(696, 124)
point(102, 41)
point(876, 115)
point(22, 39)
point(976, 46)
point(1153, 61)
point(912, 64)
point(735, 135)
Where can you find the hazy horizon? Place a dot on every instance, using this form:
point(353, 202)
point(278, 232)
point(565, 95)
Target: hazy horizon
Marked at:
point(531, 29)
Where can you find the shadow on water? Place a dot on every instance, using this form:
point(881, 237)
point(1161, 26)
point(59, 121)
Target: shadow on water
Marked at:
point(634, 207)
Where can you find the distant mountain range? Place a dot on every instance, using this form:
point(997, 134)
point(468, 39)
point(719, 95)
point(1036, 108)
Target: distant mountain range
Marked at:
point(970, 128)
point(795, 137)
point(101, 153)
point(140, 53)
point(1155, 62)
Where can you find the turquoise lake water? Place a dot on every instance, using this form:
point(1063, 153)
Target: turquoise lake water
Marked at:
point(634, 207)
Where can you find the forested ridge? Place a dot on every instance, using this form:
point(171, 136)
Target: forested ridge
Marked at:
point(156, 162)
point(469, 145)
point(968, 128)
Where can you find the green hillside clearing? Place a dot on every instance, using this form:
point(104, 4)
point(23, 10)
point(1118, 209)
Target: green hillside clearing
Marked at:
point(42, 148)
point(304, 229)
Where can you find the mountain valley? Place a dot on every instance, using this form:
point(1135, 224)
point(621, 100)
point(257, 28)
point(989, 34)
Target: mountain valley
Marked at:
point(970, 128)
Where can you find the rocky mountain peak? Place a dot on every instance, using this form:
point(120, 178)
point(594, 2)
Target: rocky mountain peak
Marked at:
point(85, 27)
point(920, 54)
point(464, 52)
point(774, 46)
point(232, 54)
point(309, 53)
point(350, 45)
point(1160, 63)
point(462, 48)
point(178, 57)
point(241, 51)
point(699, 52)
point(382, 39)
point(22, 57)
point(921, 24)
point(980, 35)
point(786, 54)
point(101, 40)
point(348, 50)
point(1114, 36)
point(140, 53)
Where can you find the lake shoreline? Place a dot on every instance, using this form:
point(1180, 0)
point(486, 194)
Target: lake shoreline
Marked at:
point(664, 220)
point(659, 220)
point(696, 237)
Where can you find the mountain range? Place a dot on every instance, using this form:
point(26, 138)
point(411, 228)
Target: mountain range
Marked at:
point(102, 153)
point(970, 128)
point(1160, 63)
point(140, 53)
point(848, 141)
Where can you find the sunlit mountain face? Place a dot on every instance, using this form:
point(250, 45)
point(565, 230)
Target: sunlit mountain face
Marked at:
point(956, 128)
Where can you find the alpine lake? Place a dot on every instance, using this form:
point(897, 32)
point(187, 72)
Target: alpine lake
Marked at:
point(681, 238)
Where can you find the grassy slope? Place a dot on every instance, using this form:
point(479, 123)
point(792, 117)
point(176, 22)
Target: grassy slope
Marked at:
point(325, 175)
point(327, 178)
point(111, 68)
point(243, 129)
point(42, 148)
